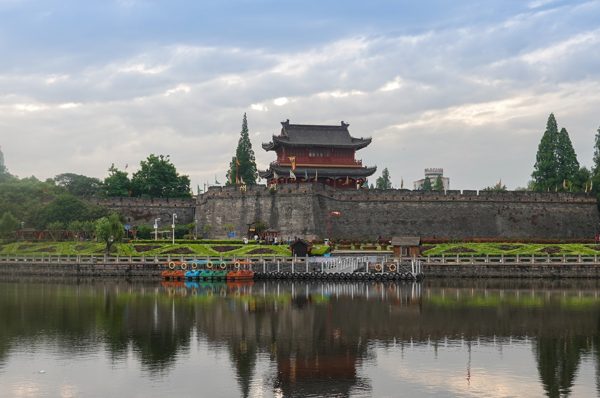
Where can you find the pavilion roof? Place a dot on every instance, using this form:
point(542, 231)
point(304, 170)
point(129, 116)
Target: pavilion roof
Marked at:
point(333, 172)
point(308, 135)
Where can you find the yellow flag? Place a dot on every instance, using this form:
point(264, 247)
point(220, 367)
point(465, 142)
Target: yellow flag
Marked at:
point(293, 161)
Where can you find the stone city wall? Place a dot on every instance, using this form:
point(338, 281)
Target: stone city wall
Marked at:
point(301, 209)
point(146, 210)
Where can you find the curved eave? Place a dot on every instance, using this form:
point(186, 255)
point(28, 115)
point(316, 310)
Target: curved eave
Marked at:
point(269, 146)
point(278, 141)
point(353, 172)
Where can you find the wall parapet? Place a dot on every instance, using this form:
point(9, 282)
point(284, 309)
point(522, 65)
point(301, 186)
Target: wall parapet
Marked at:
point(401, 194)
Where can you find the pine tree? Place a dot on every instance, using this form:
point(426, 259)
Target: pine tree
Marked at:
point(596, 168)
point(567, 164)
point(545, 173)
point(427, 184)
point(438, 185)
point(384, 182)
point(246, 170)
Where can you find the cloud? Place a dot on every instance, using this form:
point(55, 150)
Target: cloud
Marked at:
point(472, 99)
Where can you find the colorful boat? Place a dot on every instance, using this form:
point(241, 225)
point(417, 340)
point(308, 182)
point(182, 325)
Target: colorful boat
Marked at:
point(173, 275)
point(240, 271)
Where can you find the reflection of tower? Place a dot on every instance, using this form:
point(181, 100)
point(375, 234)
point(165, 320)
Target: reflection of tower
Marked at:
point(1, 157)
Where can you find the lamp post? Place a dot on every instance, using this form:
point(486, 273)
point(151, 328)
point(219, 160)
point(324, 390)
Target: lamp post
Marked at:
point(156, 220)
point(22, 226)
point(173, 226)
point(329, 213)
point(196, 225)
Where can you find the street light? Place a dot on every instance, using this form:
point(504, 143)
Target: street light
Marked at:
point(174, 217)
point(22, 226)
point(196, 225)
point(156, 228)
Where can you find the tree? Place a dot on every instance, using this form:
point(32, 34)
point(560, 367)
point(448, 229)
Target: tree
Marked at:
point(244, 155)
point(438, 185)
point(109, 230)
point(8, 224)
point(384, 182)
point(207, 228)
point(545, 173)
point(78, 185)
point(117, 183)
point(158, 178)
point(144, 231)
point(596, 168)
point(76, 228)
point(228, 228)
point(191, 226)
point(567, 164)
point(66, 208)
point(498, 188)
point(55, 229)
point(259, 228)
point(427, 184)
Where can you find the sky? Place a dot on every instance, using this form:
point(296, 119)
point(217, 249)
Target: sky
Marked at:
point(464, 86)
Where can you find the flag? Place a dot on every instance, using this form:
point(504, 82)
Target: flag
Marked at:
point(237, 181)
point(366, 184)
point(293, 161)
point(129, 193)
point(217, 182)
point(347, 181)
point(401, 183)
point(275, 175)
point(242, 181)
point(316, 172)
point(198, 185)
point(306, 175)
point(586, 187)
point(237, 161)
point(292, 175)
point(564, 184)
point(591, 185)
point(229, 179)
point(499, 185)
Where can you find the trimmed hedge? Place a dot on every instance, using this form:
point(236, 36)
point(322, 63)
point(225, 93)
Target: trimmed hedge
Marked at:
point(192, 242)
point(538, 241)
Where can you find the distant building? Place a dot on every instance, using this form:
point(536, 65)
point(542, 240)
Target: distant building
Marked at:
point(432, 174)
point(1, 157)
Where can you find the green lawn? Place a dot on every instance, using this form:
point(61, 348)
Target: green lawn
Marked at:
point(510, 249)
point(137, 249)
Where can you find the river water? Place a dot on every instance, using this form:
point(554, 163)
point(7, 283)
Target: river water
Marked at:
point(111, 338)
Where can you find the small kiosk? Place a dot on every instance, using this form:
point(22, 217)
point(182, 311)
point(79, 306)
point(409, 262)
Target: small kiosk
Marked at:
point(301, 248)
point(406, 246)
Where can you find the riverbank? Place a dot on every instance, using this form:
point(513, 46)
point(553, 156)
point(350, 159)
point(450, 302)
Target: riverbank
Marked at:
point(430, 270)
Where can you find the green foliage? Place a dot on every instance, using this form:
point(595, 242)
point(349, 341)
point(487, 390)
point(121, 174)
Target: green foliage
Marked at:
point(568, 166)
point(438, 185)
point(76, 228)
point(260, 227)
point(109, 230)
point(158, 178)
point(497, 188)
point(207, 228)
point(66, 208)
point(427, 184)
point(144, 231)
point(384, 182)
point(191, 227)
point(54, 229)
point(117, 183)
point(78, 185)
point(228, 228)
point(8, 224)
point(244, 153)
point(545, 174)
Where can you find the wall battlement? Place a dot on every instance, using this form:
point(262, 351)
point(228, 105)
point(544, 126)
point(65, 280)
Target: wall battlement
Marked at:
point(401, 194)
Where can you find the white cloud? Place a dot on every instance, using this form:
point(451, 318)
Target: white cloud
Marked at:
point(280, 101)
point(30, 107)
point(181, 87)
point(259, 107)
point(69, 105)
point(393, 85)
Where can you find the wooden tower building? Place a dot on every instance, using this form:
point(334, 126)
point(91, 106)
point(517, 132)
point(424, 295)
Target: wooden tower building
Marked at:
point(313, 153)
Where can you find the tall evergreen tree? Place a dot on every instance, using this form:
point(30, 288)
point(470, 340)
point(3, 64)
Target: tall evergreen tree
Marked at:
point(596, 168)
point(545, 174)
point(438, 185)
point(567, 164)
point(427, 184)
point(384, 182)
point(243, 164)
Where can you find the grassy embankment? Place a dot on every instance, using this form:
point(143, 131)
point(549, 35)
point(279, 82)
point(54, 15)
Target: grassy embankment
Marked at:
point(148, 249)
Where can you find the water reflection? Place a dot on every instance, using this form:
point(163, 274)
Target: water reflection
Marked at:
point(313, 339)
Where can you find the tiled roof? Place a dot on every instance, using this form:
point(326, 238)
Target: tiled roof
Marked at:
point(303, 135)
point(333, 172)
